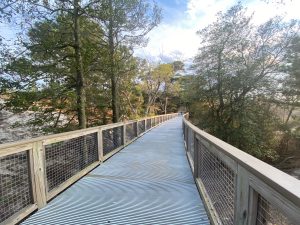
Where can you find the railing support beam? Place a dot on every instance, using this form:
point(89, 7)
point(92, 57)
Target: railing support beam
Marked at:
point(39, 172)
point(100, 145)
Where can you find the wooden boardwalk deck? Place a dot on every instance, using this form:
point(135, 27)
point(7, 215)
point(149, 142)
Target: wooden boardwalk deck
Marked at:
point(148, 182)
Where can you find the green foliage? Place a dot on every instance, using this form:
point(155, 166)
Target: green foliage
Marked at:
point(125, 25)
point(59, 77)
point(48, 71)
point(158, 86)
point(238, 67)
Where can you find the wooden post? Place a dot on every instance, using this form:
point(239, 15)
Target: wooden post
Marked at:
point(124, 133)
point(136, 128)
point(146, 124)
point(100, 145)
point(39, 171)
point(242, 196)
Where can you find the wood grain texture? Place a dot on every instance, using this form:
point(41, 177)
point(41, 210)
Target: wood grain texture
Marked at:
point(36, 153)
point(286, 185)
point(39, 172)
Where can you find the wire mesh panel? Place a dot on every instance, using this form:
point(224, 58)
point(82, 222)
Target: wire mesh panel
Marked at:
point(112, 139)
point(190, 144)
point(141, 126)
point(131, 131)
point(15, 184)
point(219, 183)
point(64, 159)
point(148, 124)
point(268, 214)
point(186, 130)
point(183, 130)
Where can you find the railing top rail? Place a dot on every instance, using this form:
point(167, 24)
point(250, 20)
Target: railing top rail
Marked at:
point(89, 130)
point(38, 169)
point(282, 182)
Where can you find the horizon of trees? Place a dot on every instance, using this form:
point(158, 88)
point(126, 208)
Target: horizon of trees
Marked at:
point(73, 66)
point(74, 61)
point(243, 75)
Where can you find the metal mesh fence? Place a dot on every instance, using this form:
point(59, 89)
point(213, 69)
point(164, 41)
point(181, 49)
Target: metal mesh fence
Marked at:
point(268, 214)
point(15, 184)
point(66, 158)
point(131, 131)
point(112, 139)
point(219, 182)
point(148, 124)
point(186, 129)
point(190, 148)
point(141, 126)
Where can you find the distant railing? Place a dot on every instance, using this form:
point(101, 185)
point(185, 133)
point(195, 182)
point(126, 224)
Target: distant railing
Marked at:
point(238, 188)
point(34, 171)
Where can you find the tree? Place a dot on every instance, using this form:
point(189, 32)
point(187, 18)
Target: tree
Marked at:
point(291, 83)
point(33, 10)
point(237, 64)
point(50, 66)
point(156, 83)
point(125, 24)
point(289, 95)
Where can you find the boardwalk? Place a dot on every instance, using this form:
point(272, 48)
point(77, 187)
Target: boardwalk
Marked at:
point(148, 182)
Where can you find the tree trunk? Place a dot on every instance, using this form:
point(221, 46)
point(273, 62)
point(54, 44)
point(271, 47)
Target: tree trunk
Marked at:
point(114, 85)
point(80, 89)
point(149, 104)
point(132, 109)
point(289, 115)
point(166, 104)
point(114, 95)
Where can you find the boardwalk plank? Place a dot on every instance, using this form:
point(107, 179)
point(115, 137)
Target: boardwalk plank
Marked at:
point(148, 182)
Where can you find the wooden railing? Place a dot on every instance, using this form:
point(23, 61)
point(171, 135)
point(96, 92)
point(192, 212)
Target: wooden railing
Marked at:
point(34, 171)
point(238, 188)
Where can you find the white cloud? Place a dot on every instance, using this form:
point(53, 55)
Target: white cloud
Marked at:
point(205, 10)
point(264, 11)
point(167, 39)
point(180, 35)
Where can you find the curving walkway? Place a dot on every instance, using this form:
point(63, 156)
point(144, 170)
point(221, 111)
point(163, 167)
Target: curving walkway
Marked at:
point(148, 182)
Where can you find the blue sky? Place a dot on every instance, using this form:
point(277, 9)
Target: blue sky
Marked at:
point(175, 38)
